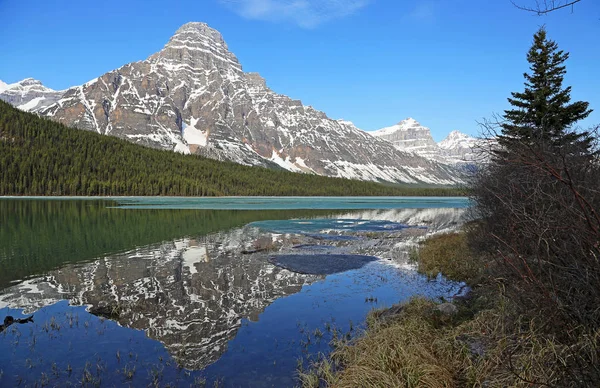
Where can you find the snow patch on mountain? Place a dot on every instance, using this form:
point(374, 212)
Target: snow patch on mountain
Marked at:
point(31, 104)
point(193, 135)
point(285, 163)
point(3, 86)
point(182, 148)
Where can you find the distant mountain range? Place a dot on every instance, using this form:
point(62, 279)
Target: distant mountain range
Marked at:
point(410, 136)
point(194, 97)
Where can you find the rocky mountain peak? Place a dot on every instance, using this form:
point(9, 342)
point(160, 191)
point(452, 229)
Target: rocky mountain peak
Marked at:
point(408, 122)
point(456, 135)
point(30, 82)
point(256, 81)
point(198, 30)
point(199, 46)
point(407, 125)
point(457, 139)
point(24, 84)
point(410, 136)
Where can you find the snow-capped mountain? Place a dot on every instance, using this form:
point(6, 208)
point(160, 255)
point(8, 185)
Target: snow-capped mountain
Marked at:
point(410, 136)
point(458, 147)
point(194, 97)
point(29, 94)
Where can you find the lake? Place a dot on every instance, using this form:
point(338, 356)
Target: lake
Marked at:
point(193, 291)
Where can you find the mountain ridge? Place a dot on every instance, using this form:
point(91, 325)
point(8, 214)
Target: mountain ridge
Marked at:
point(194, 97)
point(39, 156)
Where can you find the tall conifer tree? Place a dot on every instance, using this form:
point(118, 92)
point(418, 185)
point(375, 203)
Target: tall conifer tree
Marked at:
point(542, 113)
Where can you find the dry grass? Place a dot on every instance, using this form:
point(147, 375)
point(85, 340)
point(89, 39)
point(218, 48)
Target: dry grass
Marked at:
point(521, 353)
point(487, 344)
point(407, 352)
point(410, 349)
point(450, 255)
point(418, 349)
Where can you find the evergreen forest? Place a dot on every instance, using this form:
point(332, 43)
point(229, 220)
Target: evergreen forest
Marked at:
point(42, 157)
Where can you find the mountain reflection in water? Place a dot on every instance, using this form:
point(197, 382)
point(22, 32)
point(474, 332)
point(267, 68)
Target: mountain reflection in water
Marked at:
point(187, 291)
point(195, 294)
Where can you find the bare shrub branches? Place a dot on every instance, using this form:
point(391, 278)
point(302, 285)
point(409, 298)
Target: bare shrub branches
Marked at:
point(544, 7)
point(539, 209)
point(540, 227)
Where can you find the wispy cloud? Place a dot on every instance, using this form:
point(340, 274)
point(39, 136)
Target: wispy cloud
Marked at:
point(304, 13)
point(424, 11)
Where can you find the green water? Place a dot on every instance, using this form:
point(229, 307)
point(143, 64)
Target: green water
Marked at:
point(37, 235)
point(40, 234)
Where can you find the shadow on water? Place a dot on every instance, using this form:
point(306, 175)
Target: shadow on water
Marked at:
point(321, 264)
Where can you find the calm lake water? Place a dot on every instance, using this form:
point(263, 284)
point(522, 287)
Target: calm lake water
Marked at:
point(188, 291)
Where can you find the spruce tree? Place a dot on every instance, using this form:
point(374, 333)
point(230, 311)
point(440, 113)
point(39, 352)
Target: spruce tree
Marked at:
point(542, 113)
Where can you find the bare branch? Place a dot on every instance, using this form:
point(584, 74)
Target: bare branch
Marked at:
point(546, 6)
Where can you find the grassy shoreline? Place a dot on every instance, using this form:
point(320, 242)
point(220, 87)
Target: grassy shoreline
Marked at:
point(481, 341)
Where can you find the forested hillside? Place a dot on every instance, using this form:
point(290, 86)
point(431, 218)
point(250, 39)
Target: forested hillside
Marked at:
point(41, 157)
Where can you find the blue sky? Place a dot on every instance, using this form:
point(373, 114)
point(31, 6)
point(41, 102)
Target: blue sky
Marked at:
point(448, 64)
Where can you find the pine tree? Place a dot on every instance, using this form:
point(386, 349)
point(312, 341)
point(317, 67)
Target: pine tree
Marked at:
point(543, 112)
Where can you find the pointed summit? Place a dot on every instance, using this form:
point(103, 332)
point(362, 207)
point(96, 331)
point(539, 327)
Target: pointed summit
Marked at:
point(409, 136)
point(457, 140)
point(199, 46)
point(409, 121)
point(24, 84)
point(194, 97)
point(195, 31)
point(408, 124)
point(457, 135)
point(28, 94)
point(30, 82)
